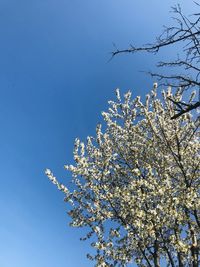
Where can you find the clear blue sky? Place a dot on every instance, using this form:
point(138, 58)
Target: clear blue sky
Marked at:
point(55, 80)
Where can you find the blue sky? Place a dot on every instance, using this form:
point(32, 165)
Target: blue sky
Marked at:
point(55, 80)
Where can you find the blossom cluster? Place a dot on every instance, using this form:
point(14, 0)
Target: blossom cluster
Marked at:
point(137, 185)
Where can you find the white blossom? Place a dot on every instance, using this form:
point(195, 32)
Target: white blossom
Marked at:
point(136, 184)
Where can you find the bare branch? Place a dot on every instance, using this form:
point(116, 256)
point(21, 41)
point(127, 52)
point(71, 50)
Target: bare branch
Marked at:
point(186, 33)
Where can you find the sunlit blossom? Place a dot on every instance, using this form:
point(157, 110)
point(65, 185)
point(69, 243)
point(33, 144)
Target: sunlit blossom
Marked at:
point(136, 184)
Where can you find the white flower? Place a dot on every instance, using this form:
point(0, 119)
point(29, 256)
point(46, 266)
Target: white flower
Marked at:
point(48, 172)
point(137, 181)
point(155, 85)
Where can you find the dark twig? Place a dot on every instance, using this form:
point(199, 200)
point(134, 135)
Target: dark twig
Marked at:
point(186, 33)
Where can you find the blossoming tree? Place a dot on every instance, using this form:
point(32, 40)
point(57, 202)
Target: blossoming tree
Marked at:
point(136, 185)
